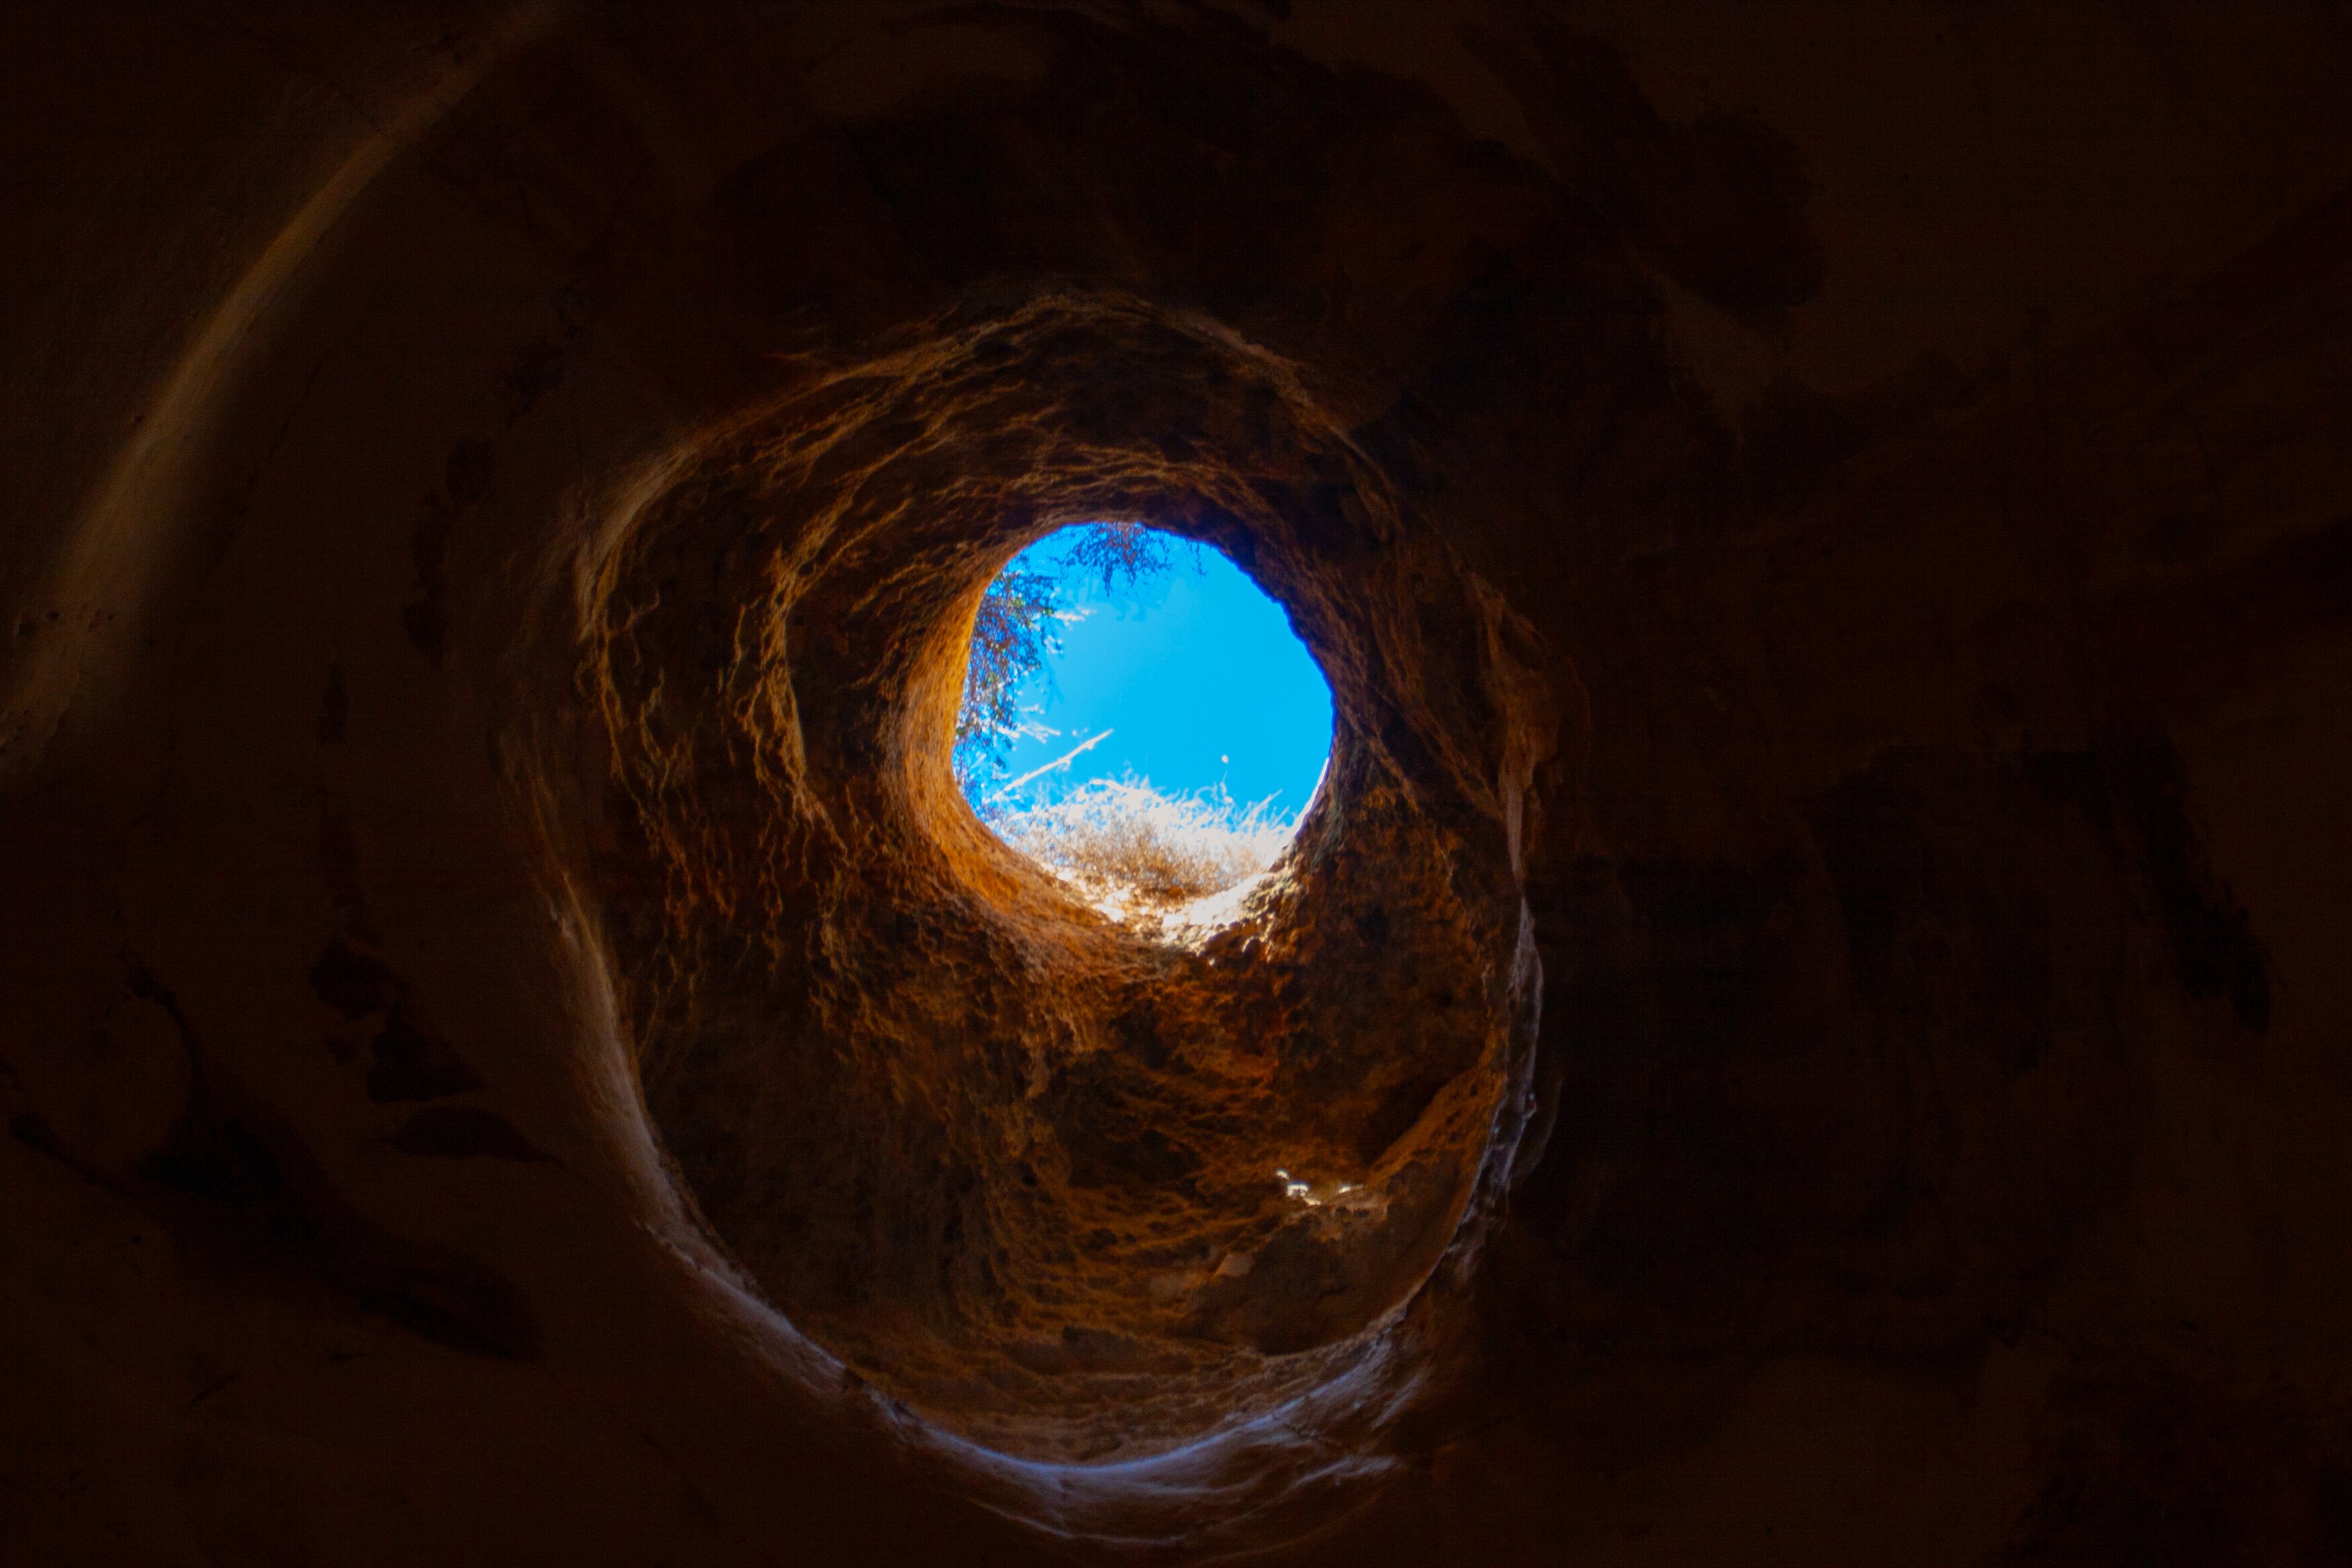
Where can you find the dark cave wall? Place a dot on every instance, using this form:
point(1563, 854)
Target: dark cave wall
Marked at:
point(1927, 505)
point(1927, 1059)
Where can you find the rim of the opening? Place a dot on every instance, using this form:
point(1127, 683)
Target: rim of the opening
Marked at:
point(1194, 921)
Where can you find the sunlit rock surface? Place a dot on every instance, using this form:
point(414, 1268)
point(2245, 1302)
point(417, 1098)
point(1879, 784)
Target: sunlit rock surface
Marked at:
point(1805, 1024)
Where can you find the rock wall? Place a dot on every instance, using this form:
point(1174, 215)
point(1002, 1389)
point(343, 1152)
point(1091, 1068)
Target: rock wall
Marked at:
point(1809, 1013)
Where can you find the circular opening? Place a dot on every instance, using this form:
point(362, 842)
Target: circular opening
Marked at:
point(1066, 1188)
point(1141, 719)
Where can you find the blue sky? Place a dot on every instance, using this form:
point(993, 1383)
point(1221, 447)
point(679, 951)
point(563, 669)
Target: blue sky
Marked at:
point(1195, 673)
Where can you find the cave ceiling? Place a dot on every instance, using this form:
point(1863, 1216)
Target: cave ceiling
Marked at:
point(1805, 1024)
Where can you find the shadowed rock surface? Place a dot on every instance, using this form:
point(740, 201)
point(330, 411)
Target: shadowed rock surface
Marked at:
point(1807, 1022)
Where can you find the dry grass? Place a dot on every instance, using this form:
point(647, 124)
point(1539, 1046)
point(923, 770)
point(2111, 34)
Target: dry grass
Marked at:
point(1128, 847)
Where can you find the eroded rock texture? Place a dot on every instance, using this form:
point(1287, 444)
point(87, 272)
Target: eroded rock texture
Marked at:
point(1809, 1014)
point(1029, 1167)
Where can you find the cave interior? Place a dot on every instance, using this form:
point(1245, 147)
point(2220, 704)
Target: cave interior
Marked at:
point(1796, 1029)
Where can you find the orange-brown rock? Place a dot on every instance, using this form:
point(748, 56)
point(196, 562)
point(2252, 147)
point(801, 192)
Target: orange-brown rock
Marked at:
point(1805, 1025)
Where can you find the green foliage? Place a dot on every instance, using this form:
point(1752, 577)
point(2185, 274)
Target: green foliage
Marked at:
point(1011, 639)
point(1016, 628)
point(1120, 552)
